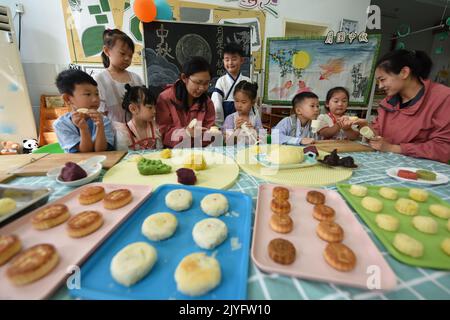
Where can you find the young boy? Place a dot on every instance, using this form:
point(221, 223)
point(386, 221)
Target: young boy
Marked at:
point(296, 129)
point(83, 129)
point(222, 97)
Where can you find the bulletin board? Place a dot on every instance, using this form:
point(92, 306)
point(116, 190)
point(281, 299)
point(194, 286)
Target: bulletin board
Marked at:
point(169, 44)
point(298, 63)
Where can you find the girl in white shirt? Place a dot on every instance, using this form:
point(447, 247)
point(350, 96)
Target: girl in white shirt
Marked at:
point(118, 49)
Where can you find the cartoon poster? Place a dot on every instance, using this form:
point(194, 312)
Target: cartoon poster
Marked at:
point(86, 20)
point(296, 64)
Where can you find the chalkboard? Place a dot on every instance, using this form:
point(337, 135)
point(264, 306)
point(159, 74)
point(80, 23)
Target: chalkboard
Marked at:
point(169, 44)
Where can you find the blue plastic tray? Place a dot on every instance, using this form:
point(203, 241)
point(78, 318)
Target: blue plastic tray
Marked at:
point(96, 279)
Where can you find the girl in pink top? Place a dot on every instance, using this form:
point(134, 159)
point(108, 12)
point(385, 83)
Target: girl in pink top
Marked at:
point(184, 101)
point(414, 117)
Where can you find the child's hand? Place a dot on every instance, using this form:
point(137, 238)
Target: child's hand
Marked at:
point(79, 121)
point(97, 117)
point(249, 125)
point(307, 141)
point(194, 130)
point(345, 123)
point(361, 123)
point(240, 122)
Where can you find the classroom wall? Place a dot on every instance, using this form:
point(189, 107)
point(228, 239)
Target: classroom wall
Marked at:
point(441, 61)
point(328, 12)
point(44, 50)
point(420, 41)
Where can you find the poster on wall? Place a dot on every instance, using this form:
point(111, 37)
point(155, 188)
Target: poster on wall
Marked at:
point(86, 20)
point(296, 64)
point(169, 44)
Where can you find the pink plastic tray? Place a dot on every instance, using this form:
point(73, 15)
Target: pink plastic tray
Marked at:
point(72, 252)
point(310, 263)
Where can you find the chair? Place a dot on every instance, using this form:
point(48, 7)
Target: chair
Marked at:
point(50, 148)
point(52, 107)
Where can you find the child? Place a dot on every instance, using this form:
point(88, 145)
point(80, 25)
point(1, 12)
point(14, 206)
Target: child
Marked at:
point(245, 122)
point(296, 129)
point(141, 131)
point(117, 54)
point(83, 129)
point(222, 97)
point(334, 124)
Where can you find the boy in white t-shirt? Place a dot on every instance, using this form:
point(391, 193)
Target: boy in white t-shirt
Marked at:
point(222, 97)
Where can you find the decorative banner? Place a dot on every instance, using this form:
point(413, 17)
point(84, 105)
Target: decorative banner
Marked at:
point(264, 5)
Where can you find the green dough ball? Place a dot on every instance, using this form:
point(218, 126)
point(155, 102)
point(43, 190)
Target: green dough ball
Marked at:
point(426, 175)
point(148, 167)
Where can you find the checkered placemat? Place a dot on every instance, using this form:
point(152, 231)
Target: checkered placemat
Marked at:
point(413, 283)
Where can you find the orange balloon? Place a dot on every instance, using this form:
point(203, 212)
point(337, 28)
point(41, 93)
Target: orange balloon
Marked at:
point(145, 10)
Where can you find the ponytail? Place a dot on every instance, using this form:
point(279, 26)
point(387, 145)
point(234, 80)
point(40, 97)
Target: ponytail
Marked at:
point(138, 95)
point(418, 62)
point(110, 37)
point(250, 89)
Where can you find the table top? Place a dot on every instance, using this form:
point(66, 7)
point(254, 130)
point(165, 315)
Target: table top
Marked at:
point(413, 283)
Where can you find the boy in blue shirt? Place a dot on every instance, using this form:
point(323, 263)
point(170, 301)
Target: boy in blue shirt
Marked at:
point(222, 97)
point(83, 129)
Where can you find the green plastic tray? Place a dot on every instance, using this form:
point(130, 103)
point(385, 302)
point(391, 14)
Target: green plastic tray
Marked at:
point(434, 256)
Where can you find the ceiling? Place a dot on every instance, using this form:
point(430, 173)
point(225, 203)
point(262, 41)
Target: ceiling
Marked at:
point(415, 13)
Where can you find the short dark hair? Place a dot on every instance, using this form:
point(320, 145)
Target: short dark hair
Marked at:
point(67, 79)
point(233, 48)
point(250, 89)
point(138, 95)
point(334, 90)
point(418, 61)
point(110, 37)
point(299, 97)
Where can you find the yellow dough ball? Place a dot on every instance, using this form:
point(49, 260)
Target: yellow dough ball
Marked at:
point(408, 245)
point(425, 224)
point(166, 154)
point(280, 155)
point(7, 205)
point(358, 190)
point(407, 207)
point(418, 195)
point(445, 245)
point(388, 193)
point(440, 211)
point(194, 161)
point(372, 204)
point(387, 222)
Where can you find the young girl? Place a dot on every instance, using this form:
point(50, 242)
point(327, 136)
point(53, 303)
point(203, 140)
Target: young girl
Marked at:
point(296, 129)
point(245, 122)
point(118, 49)
point(141, 131)
point(335, 124)
point(182, 102)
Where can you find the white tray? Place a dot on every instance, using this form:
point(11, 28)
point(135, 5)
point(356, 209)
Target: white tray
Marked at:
point(440, 178)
